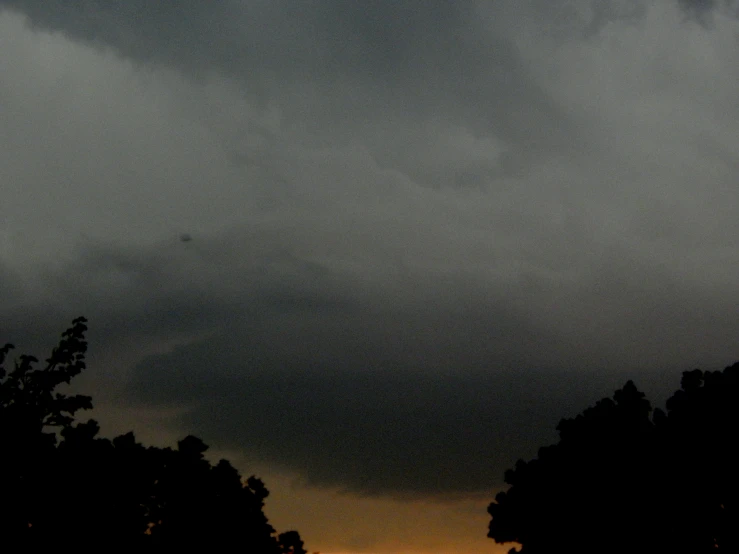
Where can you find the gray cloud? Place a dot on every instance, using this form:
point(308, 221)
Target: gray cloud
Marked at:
point(337, 69)
point(426, 384)
point(702, 11)
point(419, 236)
point(388, 431)
point(699, 5)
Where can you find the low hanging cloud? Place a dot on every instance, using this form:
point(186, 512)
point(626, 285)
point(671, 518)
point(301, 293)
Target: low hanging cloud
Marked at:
point(413, 383)
point(419, 237)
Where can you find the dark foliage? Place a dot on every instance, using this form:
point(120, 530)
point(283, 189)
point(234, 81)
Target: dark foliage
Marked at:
point(619, 480)
point(62, 484)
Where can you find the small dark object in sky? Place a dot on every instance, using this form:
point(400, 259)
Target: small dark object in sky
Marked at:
point(184, 237)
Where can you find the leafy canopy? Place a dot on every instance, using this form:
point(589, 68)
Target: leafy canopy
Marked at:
point(62, 483)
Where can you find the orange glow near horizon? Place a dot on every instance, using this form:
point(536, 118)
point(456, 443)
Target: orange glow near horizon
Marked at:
point(334, 522)
point(331, 522)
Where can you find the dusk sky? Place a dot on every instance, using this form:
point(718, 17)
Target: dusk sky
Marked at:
point(422, 232)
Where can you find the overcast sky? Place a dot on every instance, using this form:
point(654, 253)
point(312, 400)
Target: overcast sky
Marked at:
point(422, 231)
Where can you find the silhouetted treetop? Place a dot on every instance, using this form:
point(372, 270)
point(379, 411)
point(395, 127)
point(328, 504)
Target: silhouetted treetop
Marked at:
point(62, 484)
point(27, 394)
point(619, 480)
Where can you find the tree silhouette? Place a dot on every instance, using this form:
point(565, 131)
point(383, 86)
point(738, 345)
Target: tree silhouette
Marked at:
point(699, 443)
point(620, 481)
point(30, 413)
point(62, 484)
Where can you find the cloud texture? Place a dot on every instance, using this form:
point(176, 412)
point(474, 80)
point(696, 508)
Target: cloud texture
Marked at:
point(420, 235)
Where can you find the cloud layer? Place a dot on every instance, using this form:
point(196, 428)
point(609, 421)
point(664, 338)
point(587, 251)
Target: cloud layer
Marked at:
point(420, 237)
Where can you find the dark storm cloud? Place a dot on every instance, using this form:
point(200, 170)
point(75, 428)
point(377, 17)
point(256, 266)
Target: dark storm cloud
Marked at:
point(346, 424)
point(340, 68)
point(420, 236)
point(421, 386)
point(311, 41)
point(315, 41)
point(703, 11)
point(699, 5)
